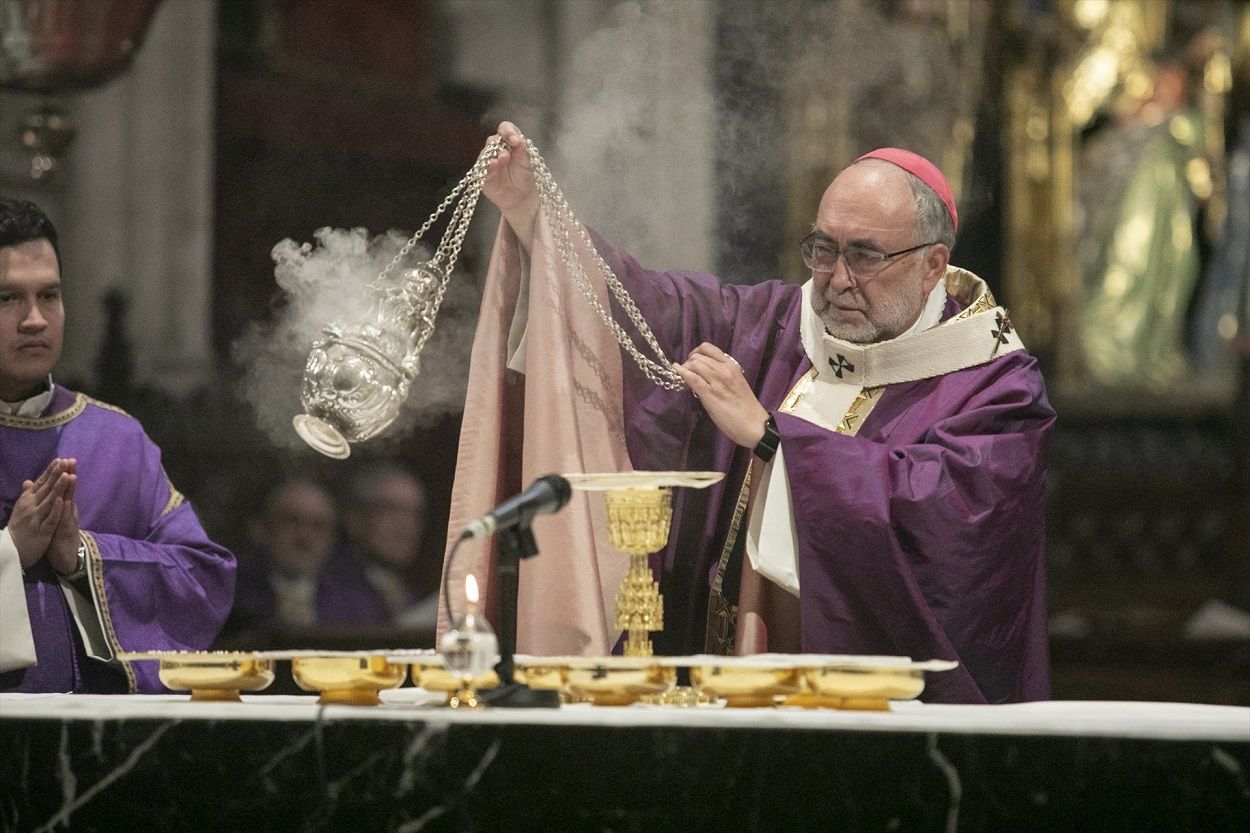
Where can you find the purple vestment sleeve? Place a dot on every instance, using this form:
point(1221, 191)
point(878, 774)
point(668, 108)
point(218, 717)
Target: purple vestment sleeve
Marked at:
point(923, 535)
point(160, 583)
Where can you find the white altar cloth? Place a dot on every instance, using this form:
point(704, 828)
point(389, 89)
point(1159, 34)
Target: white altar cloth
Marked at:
point(1145, 720)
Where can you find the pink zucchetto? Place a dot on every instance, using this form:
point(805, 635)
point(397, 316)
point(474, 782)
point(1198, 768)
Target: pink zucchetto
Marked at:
point(928, 173)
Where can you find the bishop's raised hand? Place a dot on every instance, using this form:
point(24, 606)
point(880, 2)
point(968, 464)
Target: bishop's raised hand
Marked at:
point(510, 184)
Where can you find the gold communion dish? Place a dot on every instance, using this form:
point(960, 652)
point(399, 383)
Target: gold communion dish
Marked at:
point(745, 685)
point(352, 679)
point(614, 681)
point(210, 675)
point(539, 673)
point(864, 683)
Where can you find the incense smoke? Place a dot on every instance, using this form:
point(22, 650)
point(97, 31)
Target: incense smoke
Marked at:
point(324, 282)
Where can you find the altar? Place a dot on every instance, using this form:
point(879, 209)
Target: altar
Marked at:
point(161, 762)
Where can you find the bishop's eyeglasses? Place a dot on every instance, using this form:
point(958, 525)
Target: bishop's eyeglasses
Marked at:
point(861, 261)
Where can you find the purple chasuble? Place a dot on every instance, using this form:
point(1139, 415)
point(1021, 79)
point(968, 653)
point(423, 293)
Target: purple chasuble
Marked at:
point(161, 583)
point(923, 535)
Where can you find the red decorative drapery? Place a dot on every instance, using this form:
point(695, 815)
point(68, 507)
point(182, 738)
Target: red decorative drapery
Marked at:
point(54, 46)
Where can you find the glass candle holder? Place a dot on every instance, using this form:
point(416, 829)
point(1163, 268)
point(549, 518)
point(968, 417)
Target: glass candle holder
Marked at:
point(469, 650)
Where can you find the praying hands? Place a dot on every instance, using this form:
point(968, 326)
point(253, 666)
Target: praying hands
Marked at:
point(44, 522)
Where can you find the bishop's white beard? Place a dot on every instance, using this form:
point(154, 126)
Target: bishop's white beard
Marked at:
point(887, 319)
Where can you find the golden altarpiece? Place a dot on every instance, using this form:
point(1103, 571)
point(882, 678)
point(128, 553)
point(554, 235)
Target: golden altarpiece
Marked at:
point(1093, 103)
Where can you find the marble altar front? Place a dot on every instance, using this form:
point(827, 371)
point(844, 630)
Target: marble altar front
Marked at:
point(273, 763)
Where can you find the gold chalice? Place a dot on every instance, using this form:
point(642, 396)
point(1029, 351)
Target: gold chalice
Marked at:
point(640, 512)
point(638, 521)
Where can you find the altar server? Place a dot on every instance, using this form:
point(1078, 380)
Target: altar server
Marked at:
point(99, 553)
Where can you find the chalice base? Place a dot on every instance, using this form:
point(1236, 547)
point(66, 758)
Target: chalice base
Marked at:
point(865, 704)
point(679, 696)
point(215, 695)
point(750, 701)
point(349, 697)
point(808, 700)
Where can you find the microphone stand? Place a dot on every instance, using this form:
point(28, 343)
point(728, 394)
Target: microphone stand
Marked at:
point(515, 543)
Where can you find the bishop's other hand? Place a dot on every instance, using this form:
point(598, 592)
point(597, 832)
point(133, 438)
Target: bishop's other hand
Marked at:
point(716, 379)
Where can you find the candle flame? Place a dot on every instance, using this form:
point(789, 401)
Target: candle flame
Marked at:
point(470, 589)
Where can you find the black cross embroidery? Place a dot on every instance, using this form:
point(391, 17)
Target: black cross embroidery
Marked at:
point(1004, 329)
point(840, 365)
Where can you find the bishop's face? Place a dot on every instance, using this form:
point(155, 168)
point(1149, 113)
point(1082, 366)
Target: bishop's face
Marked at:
point(32, 318)
point(870, 207)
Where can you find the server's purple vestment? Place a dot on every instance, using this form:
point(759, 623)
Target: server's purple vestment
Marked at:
point(164, 584)
point(922, 535)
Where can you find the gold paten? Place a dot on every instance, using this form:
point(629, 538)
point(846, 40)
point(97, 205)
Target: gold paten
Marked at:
point(830, 681)
point(351, 680)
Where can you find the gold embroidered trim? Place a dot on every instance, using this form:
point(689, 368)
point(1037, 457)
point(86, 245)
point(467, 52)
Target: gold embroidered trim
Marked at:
point(964, 284)
point(96, 570)
point(798, 391)
point(983, 304)
point(175, 497)
point(855, 414)
point(859, 410)
point(722, 615)
point(106, 406)
point(40, 423)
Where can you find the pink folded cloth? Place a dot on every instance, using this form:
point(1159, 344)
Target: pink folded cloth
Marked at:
point(563, 414)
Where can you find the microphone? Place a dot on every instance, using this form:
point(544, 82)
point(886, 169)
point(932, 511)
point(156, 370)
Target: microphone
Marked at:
point(544, 496)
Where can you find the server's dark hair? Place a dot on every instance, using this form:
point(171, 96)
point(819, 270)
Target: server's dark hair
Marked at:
point(22, 222)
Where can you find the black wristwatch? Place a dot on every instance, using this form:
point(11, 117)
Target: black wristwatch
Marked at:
point(767, 446)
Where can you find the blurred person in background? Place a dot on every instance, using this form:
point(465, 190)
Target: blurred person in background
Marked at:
point(294, 574)
point(384, 518)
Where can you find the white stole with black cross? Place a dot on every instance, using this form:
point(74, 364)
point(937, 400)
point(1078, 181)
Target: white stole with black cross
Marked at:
point(844, 383)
